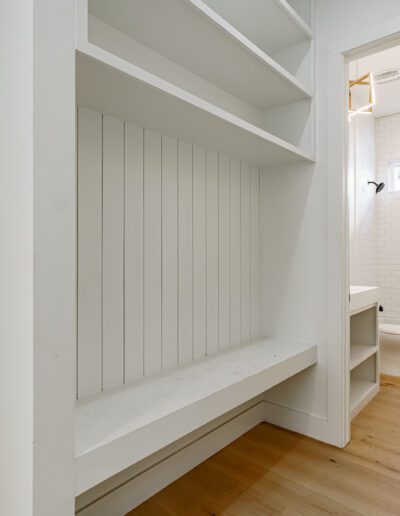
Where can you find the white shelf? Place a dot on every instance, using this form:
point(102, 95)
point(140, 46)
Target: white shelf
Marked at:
point(151, 102)
point(191, 34)
point(273, 25)
point(361, 393)
point(117, 429)
point(359, 353)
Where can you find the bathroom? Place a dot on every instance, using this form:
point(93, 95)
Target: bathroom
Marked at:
point(374, 191)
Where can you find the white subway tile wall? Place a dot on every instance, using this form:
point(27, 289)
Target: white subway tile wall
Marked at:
point(388, 216)
point(362, 202)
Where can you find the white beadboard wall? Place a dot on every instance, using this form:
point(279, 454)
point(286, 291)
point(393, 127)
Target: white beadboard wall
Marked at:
point(168, 252)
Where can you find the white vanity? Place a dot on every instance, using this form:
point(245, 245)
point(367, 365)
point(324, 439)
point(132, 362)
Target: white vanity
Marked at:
point(364, 347)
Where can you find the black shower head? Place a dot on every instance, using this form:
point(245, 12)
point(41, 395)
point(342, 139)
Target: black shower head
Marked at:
point(379, 187)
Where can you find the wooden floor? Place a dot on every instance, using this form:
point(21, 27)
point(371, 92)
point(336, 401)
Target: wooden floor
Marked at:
point(274, 471)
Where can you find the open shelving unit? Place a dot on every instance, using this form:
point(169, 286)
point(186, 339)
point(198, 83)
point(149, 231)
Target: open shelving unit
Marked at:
point(193, 75)
point(364, 348)
point(180, 104)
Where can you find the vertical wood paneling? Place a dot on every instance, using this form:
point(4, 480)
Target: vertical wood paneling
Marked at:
point(152, 252)
point(255, 252)
point(199, 254)
point(169, 252)
point(185, 252)
point(133, 252)
point(89, 252)
point(212, 252)
point(224, 253)
point(113, 255)
point(235, 251)
point(245, 233)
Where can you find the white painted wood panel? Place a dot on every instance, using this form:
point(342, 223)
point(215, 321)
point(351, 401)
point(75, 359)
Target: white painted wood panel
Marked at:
point(212, 253)
point(185, 250)
point(255, 252)
point(113, 252)
point(245, 234)
point(152, 252)
point(118, 430)
point(89, 252)
point(133, 252)
point(224, 253)
point(180, 256)
point(199, 254)
point(169, 252)
point(235, 247)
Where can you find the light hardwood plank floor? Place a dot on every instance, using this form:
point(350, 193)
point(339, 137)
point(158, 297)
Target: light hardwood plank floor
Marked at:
point(271, 471)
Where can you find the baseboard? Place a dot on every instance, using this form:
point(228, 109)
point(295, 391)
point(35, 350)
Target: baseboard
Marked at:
point(297, 421)
point(121, 494)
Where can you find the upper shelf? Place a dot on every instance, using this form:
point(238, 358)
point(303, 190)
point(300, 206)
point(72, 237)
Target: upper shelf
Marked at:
point(273, 25)
point(128, 92)
point(117, 429)
point(141, 85)
point(191, 34)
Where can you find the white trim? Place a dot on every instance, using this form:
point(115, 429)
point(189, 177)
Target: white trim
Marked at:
point(380, 35)
point(81, 22)
point(158, 471)
point(54, 262)
point(304, 423)
point(338, 331)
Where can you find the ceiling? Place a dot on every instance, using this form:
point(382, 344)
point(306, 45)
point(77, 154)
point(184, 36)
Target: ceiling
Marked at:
point(388, 94)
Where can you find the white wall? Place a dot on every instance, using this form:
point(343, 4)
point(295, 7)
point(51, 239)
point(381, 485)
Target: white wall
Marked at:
point(16, 258)
point(299, 289)
point(375, 219)
point(388, 216)
point(37, 240)
point(362, 201)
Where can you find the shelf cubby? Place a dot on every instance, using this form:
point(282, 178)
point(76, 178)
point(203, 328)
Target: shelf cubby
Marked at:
point(364, 384)
point(363, 336)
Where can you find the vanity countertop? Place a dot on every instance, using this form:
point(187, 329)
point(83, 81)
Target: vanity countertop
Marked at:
point(362, 296)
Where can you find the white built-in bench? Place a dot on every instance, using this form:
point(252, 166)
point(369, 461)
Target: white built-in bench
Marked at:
point(119, 428)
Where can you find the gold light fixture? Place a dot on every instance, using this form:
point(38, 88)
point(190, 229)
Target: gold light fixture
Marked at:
point(368, 81)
